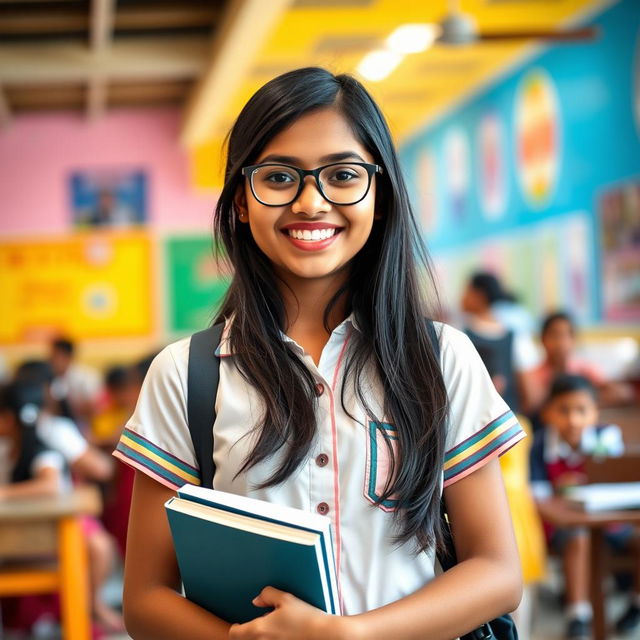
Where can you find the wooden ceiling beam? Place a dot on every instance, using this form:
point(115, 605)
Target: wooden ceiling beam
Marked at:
point(100, 39)
point(243, 29)
point(29, 22)
point(131, 59)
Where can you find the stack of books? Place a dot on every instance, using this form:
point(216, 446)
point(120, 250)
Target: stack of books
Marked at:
point(230, 547)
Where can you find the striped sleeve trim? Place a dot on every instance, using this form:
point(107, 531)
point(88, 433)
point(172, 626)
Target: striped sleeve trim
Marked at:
point(492, 440)
point(154, 461)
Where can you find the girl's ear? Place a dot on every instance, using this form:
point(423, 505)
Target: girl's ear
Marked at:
point(240, 204)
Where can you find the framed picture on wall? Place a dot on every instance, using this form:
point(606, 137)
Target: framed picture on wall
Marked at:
point(620, 241)
point(108, 198)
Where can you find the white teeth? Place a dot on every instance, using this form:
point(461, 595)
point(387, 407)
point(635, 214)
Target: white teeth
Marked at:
point(312, 236)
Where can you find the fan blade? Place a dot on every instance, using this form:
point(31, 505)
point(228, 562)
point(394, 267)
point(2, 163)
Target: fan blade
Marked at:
point(586, 33)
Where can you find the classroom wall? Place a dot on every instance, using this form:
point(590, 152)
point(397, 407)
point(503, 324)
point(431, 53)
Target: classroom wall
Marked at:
point(537, 177)
point(38, 153)
point(113, 289)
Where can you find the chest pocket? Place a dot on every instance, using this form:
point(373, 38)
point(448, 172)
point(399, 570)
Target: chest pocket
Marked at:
point(382, 443)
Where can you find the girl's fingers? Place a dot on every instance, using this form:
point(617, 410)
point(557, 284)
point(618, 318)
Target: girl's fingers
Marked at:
point(269, 597)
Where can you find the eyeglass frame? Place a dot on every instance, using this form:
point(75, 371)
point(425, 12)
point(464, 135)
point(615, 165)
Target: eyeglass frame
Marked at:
point(370, 168)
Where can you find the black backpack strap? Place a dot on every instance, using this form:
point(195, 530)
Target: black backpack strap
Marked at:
point(202, 387)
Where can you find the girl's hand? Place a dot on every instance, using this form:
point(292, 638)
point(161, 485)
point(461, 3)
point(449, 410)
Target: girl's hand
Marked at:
point(291, 619)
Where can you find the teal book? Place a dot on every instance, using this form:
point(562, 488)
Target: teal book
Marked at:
point(230, 547)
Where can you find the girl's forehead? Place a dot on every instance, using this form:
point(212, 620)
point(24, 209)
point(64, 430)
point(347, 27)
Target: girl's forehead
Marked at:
point(313, 137)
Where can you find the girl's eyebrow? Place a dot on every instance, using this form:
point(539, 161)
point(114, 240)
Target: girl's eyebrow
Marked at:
point(332, 157)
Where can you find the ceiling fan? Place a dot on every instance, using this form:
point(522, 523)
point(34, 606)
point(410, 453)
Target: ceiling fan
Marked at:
point(458, 28)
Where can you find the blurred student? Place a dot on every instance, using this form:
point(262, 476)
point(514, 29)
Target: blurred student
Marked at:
point(75, 386)
point(507, 354)
point(28, 469)
point(122, 386)
point(571, 433)
point(559, 339)
point(87, 463)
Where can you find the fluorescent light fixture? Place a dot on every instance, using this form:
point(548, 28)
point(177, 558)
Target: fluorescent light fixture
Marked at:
point(413, 38)
point(377, 65)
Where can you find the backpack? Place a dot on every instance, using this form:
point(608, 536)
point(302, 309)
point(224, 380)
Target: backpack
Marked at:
point(203, 375)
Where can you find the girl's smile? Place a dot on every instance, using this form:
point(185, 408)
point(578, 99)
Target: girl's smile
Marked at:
point(311, 236)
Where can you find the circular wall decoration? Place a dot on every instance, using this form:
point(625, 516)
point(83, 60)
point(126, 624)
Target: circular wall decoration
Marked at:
point(537, 135)
point(491, 156)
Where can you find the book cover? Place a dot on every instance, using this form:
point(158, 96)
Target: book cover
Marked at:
point(226, 556)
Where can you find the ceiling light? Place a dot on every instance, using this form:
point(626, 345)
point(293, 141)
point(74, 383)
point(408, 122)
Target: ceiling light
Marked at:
point(413, 38)
point(379, 64)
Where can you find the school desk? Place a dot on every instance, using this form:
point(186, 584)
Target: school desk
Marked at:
point(42, 550)
point(559, 512)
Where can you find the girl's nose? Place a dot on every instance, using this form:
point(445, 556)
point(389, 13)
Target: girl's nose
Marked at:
point(310, 201)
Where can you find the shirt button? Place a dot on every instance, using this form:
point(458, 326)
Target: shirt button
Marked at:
point(319, 389)
point(322, 460)
point(323, 508)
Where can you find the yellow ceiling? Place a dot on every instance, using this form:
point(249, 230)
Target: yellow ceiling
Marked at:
point(337, 35)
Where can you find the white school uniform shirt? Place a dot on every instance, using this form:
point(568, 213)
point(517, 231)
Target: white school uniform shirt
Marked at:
point(348, 461)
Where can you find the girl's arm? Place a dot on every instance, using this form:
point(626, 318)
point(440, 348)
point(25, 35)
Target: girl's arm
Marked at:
point(45, 483)
point(485, 583)
point(153, 608)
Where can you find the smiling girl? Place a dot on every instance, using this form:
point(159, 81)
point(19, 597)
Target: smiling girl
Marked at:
point(332, 397)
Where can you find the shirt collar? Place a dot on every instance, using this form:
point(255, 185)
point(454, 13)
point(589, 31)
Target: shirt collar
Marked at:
point(224, 349)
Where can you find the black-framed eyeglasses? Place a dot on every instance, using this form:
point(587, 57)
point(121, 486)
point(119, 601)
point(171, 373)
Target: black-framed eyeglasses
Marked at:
point(340, 183)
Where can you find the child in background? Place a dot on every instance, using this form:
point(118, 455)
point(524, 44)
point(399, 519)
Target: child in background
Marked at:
point(27, 468)
point(122, 385)
point(559, 337)
point(86, 464)
point(570, 433)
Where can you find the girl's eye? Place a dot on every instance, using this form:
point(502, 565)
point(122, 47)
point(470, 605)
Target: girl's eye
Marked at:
point(344, 175)
point(280, 177)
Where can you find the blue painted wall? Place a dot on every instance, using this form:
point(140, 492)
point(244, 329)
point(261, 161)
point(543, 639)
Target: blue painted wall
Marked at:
point(597, 96)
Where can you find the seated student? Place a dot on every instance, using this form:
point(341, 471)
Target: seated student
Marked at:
point(559, 336)
point(570, 433)
point(27, 469)
point(507, 354)
point(122, 385)
point(87, 463)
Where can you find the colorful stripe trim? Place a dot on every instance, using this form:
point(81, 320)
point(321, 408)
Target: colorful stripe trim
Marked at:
point(498, 436)
point(158, 462)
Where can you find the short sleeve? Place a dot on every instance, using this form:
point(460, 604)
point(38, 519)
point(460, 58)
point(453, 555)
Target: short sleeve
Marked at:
point(481, 426)
point(156, 438)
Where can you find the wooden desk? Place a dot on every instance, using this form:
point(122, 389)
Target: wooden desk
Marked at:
point(49, 528)
point(558, 512)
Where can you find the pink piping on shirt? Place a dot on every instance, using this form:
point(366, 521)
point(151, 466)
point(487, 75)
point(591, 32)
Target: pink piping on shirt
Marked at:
point(336, 470)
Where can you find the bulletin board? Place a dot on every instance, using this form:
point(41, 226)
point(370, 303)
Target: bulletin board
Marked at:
point(197, 282)
point(94, 285)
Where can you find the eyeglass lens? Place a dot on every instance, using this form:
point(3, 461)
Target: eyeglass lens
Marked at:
point(340, 183)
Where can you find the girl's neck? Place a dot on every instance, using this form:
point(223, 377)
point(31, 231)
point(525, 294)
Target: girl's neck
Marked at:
point(305, 301)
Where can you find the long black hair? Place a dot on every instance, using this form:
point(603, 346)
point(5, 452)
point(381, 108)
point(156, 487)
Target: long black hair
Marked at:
point(385, 292)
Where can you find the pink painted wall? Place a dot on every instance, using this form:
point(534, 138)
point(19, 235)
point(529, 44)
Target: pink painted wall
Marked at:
point(38, 152)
